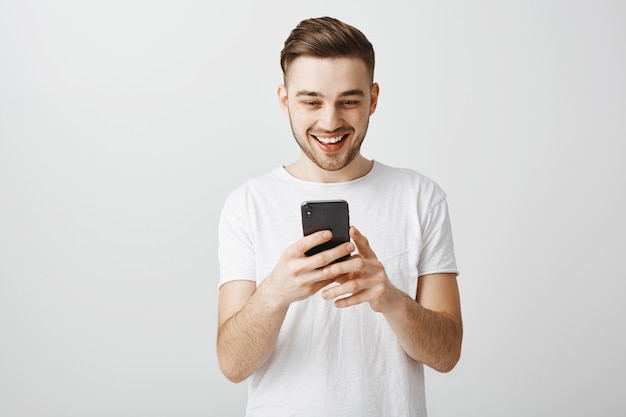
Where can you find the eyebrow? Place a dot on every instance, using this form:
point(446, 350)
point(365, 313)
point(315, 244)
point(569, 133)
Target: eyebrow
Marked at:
point(348, 93)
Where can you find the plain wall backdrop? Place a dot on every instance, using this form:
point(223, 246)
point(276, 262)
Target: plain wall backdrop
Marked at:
point(124, 124)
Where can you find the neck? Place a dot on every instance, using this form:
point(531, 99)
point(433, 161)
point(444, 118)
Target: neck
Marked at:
point(303, 168)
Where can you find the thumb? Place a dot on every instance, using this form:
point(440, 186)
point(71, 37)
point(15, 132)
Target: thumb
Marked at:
point(361, 242)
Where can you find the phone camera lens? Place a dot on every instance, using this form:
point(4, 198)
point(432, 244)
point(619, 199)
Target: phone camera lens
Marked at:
point(308, 212)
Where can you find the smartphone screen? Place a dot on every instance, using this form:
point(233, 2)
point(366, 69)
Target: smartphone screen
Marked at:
point(330, 215)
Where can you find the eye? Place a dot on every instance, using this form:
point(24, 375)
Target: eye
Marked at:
point(350, 103)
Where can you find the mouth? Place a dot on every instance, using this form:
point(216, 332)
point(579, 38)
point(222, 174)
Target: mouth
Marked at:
point(330, 140)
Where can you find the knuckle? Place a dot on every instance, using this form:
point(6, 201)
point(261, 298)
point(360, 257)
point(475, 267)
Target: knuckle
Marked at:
point(300, 246)
point(292, 269)
point(328, 271)
point(380, 272)
point(352, 286)
point(378, 292)
point(326, 257)
point(329, 256)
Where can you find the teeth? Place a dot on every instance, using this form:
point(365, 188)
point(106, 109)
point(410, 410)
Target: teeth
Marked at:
point(329, 140)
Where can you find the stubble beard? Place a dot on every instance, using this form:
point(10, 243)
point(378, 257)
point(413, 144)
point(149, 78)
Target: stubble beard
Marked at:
point(334, 163)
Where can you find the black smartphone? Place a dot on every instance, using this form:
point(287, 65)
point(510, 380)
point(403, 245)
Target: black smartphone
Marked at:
point(330, 215)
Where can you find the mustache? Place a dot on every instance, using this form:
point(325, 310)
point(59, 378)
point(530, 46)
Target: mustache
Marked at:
point(340, 131)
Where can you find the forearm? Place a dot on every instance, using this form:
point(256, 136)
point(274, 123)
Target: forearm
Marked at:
point(429, 337)
point(247, 339)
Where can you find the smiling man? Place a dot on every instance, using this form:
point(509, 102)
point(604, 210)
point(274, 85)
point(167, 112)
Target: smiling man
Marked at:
point(316, 338)
point(329, 101)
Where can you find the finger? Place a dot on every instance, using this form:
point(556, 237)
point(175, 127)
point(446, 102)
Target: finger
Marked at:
point(351, 300)
point(312, 240)
point(349, 287)
point(361, 243)
point(318, 285)
point(343, 278)
point(326, 257)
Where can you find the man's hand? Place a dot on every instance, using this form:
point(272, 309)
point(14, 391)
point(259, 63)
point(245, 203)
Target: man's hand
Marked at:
point(249, 318)
point(429, 327)
point(363, 276)
point(297, 276)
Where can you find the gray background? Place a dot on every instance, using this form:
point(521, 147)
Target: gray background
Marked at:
point(124, 124)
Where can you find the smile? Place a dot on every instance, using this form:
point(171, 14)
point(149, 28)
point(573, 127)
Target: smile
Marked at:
point(328, 141)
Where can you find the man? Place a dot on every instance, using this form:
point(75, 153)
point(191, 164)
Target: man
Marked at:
point(316, 338)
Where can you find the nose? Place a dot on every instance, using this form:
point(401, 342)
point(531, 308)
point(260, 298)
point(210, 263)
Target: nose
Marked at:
point(330, 118)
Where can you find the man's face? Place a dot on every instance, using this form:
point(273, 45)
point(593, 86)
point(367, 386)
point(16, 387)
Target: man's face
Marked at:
point(329, 102)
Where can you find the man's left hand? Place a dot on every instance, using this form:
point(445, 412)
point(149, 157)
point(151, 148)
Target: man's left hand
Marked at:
point(363, 279)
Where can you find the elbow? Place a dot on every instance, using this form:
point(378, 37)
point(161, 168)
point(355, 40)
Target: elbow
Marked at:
point(232, 373)
point(449, 359)
point(447, 363)
point(451, 356)
point(234, 378)
point(230, 367)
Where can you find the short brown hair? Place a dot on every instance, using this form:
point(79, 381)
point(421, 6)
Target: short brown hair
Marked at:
point(327, 37)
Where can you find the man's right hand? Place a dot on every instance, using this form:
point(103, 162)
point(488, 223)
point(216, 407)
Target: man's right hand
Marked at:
point(249, 318)
point(297, 276)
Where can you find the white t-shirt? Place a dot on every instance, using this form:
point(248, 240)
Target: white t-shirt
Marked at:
point(330, 361)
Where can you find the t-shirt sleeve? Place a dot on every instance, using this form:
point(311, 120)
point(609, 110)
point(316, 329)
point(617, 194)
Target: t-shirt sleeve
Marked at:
point(235, 246)
point(437, 253)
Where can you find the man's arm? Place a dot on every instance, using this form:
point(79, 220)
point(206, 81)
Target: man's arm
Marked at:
point(249, 318)
point(248, 326)
point(429, 328)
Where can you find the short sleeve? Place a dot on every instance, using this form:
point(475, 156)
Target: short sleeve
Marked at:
point(235, 245)
point(437, 252)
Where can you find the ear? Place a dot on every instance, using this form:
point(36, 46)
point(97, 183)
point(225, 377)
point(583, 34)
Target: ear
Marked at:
point(282, 99)
point(374, 97)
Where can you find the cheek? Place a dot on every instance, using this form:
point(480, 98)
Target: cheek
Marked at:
point(299, 119)
point(361, 119)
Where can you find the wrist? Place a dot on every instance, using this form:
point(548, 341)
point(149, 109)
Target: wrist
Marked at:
point(269, 298)
point(398, 303)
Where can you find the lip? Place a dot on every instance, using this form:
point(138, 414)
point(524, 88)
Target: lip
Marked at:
point(329, 143)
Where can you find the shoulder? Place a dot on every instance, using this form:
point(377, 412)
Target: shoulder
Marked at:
point(273, 192)
point(409, 180)
point(255, 186)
